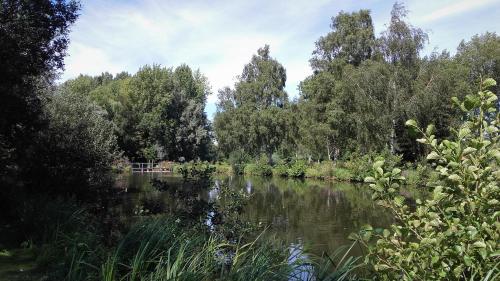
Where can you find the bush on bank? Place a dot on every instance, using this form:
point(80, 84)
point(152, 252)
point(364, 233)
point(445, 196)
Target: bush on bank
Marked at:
point(454, 234)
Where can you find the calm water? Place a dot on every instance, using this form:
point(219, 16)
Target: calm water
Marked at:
point(314, 215)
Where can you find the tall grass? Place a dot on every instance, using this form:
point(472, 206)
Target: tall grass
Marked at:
point(158, 249)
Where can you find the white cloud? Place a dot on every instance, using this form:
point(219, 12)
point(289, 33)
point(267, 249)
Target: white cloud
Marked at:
point(218, 37)
point(453, 9)
point(83, 59)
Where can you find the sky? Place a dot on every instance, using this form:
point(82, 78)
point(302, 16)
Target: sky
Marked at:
point(220, 37)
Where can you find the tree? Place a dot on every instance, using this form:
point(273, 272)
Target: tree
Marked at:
point(158, 112)
point(351, 41)
point(454, 233)
point(344, 102)
point(253, 114)
point(401, 44)
point(74, 154)
point(33, 42)
point(482, 56)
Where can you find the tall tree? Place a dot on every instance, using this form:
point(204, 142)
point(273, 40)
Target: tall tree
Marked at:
point(158, 112)
point(33, 42)
point(253, 114)
point(401, 45)
point(351, 41)
point(348, 86)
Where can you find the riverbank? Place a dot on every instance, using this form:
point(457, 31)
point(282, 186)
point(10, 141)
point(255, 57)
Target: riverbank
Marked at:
point(354, 169)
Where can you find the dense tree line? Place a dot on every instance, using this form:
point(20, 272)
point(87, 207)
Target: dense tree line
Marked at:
point(158, 113)
point(362, 91)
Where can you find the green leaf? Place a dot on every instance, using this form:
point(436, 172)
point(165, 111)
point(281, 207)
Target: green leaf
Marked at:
point(463, 132)
point(432, 156)
point(430, 129)
point(468, 150)
point(396, 172)
point(479, 244)
point(398, 200)
point(489, 82)
point(369, 179)
point(471, 101)
point(455, 178)
point(378, 164)
point(411, 123)
point(422, 140)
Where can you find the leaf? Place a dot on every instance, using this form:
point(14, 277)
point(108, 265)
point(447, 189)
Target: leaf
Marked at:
point(411, 123)
point(489, 82)
point(378, 164)
point(396, 172)
point(430, 129)
point(432, 156)
point(369, 179)
point(463, 133)
point(422, 140)
point(468, 150)
point(456, 101)
point(479, 244)
point(455, 178)
point(398, 200)
point(471, 101)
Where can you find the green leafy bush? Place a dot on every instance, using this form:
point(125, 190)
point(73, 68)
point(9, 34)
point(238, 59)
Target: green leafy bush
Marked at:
point(343, 174)
point(320, 170)
point(361, 165)
point(297, 169)
point(259, 168)
point(223, 169)
point(454, 234)
point(280, 170)
point(238, 160)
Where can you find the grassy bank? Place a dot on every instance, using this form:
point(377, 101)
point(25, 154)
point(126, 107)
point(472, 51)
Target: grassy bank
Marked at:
point(353, 168)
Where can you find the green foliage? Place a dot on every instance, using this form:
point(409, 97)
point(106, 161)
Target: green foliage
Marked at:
point(297, 169)
point(78, 147)
point(223, 169)
point(238, 159)
point(323, 170)
point(258, 169)
point(158, 112)
point(34, 37)
point(252, 117)
point(196, 170)
point(361, 165)
point(454, 234)
point(343, 174)
point(280, 170)
point(33, 42)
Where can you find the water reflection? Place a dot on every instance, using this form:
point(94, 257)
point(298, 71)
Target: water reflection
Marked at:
point(315, 215)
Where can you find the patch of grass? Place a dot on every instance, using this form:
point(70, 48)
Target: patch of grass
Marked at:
point(223, 169)
point(343, 174)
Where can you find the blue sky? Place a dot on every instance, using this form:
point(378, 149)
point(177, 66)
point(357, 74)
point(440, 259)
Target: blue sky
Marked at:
point(219, 37)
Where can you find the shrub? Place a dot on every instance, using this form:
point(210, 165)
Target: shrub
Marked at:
point(238, 160)
point(280, 170)
point(223, 169)
point(258, 169)
point(320, 170)
point(297, 169)
point(313, 172)
point(455, 233)
point(343, 174)
point(361, 165)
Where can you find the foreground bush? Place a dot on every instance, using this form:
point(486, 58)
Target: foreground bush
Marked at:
point(454, 234)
